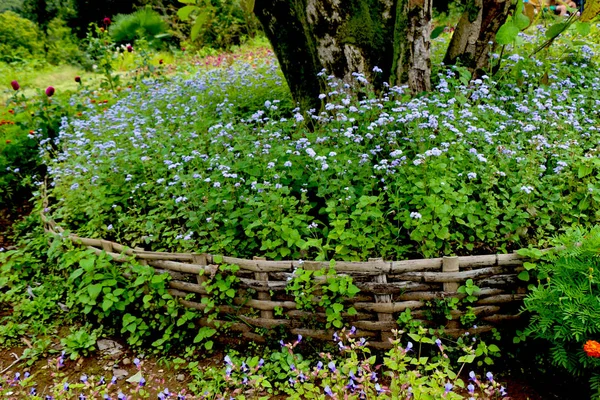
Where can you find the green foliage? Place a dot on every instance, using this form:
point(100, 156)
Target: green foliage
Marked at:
point(63, 47)
point(144, 23)
point(332, 289)
point(219, 23)
point(19, 38)
point(80, 342)
point(564, 304)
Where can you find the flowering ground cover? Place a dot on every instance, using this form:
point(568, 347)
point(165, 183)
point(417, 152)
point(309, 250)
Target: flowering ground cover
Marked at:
point(220, 161)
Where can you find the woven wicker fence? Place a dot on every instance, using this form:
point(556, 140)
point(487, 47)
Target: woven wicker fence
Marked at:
point(386, 289)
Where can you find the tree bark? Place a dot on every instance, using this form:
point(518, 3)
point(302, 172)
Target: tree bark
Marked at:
point(286, 26)
point(344, 37)
point(470, 44)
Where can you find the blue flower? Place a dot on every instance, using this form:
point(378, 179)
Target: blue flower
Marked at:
point(328, 391)
point(335, 337)
point(227, 360)
point(319, 365)
point(490, 376)
point(448, 387)
point(32, 391)
point(121, 396)
point(291, 381)
point(83, 378)
point(352, 330)
point(142, 382)
point(378, 388)
point(261, 362)
point(331, 366)
point(136, 361)
point(409, 346)
point(471, 388)
point(66, 386)
point(373, 377)
point(299, 339)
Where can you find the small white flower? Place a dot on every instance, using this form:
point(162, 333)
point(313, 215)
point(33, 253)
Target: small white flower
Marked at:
point(471, 175)
point(415, 215)
point(311, 152)
point(109, 227)
point(527, 189)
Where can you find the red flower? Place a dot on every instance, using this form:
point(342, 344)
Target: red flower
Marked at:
point(106, 21)
point(15, 85)
point(129, 48)
point(592, 348)
point(78, 79)
point(49, 91)
point(160, 61)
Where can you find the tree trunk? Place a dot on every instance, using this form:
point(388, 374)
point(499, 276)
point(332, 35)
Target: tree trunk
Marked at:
point(285, 24)
point(344, 37)
point(470, 44)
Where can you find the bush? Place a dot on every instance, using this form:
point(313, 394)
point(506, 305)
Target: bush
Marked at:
point(62, 44)
point(19, 38)
point(144, 23)
point(564, 304)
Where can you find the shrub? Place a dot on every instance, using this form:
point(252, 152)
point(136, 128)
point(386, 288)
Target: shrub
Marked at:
point(564, 304)
point(62, 44)
point(19, 38)
point(144, 23)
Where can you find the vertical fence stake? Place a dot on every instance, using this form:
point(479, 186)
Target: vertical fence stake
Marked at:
point(383, 298)
point(200, 259)
point(263, 276)
point(451, 264)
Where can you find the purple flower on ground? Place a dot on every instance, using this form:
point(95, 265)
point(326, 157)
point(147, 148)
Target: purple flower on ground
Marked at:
point(227, 360)
point(17, 377)
point(490, 376)
point(448, 387)
point(49, 91)
point(142, 382)
point(228, 372)
point(66, 387)
point(101, 381)
point(471, 388)
point(378, 388)
point(352, 330)
point(26, 375)
point(137, 362)
point(331, 366)
point(83, 378)
point(299, 339)
point(503, 391)
point(82, 396)
point(319, 365)
point(328, 391)
point(113, 380)
point(32, 392)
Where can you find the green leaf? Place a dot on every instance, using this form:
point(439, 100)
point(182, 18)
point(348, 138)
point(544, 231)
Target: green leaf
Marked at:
point(184, 12)
point(437, 32)
point(583, 28)
point(521, 21)
point(209, 345)
point(230, 293)
point(337, 307)
point(507, 33)
point(75, 274)
point(201, 19)
point(556, 30)
point(524, 276)
point(94, 290)
point(584, 170)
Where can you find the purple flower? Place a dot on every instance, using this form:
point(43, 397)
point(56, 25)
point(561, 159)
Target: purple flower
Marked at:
point(351, 385)
point(292, 367)
point(261, 362)
point(26, 375)
point(471, 388)
point(17, 377)
point(244, 367)
point(66, 387)
point(378, 388)
point(49, 91)
point(101, 381)
point(228, 372)
point(136, 361)
point(328, 391)
point(409, 346)
point(227, 360)
point(448, 387)
point(129, 48)
point(291, 381)
point(302, 377)
point(15, 85)
point(81, 396)
point(331, 366)
point(352, 330)
point(32, 392)
point(335, 337)
point(373, 377)
point(113, 380)
point(299, 339)
point(121, 396)
point(282, 343)
point(503, 391)
point(472, 376)
point(319, 365)
point(142, 382)
point(83, 378)
point(490, 376)
point(106, 21)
